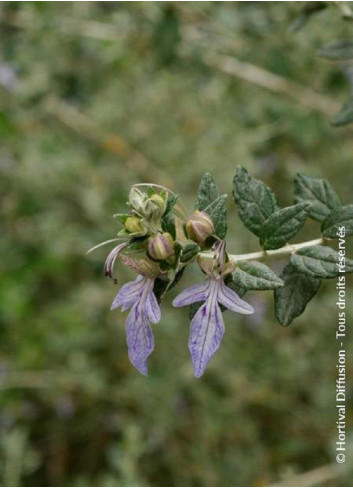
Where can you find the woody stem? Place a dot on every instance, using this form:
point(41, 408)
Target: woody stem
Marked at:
point(264, 254)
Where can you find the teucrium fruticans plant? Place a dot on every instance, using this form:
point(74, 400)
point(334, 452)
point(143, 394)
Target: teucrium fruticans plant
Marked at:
point(160, 239)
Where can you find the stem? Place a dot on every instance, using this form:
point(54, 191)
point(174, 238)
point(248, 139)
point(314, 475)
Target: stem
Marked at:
point(262, 255)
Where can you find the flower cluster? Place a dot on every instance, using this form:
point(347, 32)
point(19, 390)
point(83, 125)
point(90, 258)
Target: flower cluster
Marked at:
point(159, 239)
point(159, 242)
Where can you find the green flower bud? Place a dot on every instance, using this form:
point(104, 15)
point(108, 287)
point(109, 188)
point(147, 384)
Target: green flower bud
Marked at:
point(199, 227)
point(161, 246)
point(137, 199)
point(159, 201)
point(133, 225)
point(154, 208)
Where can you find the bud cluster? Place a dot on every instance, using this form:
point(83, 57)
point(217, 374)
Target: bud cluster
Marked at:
point(161, 240)
point(146, 212)
point(148, 209)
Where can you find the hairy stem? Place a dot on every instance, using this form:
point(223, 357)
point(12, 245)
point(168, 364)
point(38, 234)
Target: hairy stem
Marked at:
point(263, 254)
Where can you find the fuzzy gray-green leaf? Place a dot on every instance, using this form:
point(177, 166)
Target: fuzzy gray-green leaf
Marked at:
point(171, 201)
point(255, 276)
point(168, 224)
point(189, 252)
point(292, 298)
point(320, 262)
point(207, 193)
point(342, 217)
point(319, 193)
point(254, 199)
point(217, 210)
point(282, 225)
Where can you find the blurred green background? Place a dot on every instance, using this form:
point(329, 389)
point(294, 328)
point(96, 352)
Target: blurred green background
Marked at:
point(94, 98)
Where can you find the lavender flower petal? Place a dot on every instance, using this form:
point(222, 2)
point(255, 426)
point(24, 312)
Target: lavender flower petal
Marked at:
point(129, 294)
point(194, 293)
point(207, 329)
point(230, 299)
point(111, 258)
point(152, 308)
point(139, 338)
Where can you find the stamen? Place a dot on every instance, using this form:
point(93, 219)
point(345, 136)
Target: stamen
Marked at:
point(102, 244)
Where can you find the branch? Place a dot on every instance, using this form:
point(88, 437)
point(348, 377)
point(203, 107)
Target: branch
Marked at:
point(78, 122)
point(263, 254)
point(254, 74)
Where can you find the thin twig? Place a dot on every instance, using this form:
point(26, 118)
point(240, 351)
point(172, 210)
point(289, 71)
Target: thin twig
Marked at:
point(72, 118)
point(261, 77)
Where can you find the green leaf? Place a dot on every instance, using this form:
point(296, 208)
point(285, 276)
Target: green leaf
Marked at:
point(255, 276)
point(121, 217)
point(168, 224)
point(232, 284)
point(340, 49)
point(150, 191)
point(345, 116)
point(319, 193)
point(136, 245)
point(217, 210)
point(172, 200)
point(207, 193)
point(342, 217)
point(320, 262)
point(282, 225)
point(254, 199)
point(292, 298)
point(189, 252)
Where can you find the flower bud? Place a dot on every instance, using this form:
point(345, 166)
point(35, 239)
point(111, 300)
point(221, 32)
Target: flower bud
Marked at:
point(199, 227)
point(154, 208)
point(133, 225)
point(137, 199)
point(159, 201)
point(161, 246)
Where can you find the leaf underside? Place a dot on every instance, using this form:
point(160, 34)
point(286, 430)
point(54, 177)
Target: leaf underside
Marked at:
point(255, 276)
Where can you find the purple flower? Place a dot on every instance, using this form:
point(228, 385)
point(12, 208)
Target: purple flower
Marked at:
point(138, 295)
point(207, 326)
